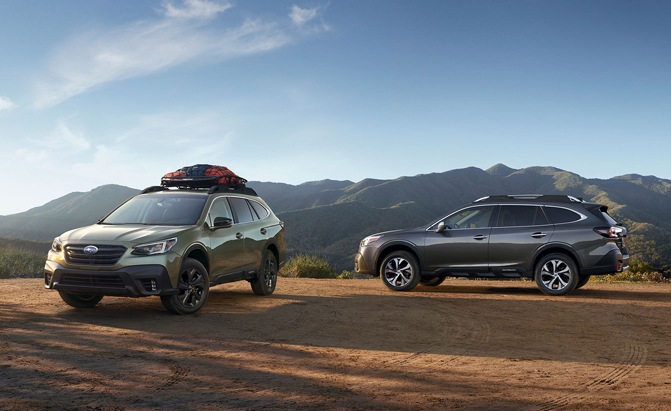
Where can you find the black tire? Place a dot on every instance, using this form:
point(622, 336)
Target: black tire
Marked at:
point(432, 281)
point(266, 280)
point(556, 274)
point(193, 284)
point(582, 281)
point(80, 300)
point(400, 271)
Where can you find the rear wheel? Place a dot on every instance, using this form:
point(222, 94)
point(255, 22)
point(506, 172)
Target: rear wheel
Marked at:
point(556, 274)
point(80, 300)
point(582, 281)
point(400, 271)
point(432, 281)
point(265, 282)
point(193, 285)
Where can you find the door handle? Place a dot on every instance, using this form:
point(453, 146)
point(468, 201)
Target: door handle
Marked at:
point(264, 231)
point(538, 235)
point(239, 235)
point(480, 237)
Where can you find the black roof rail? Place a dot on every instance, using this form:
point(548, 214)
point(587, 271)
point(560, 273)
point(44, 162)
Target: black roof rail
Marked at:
point(153, 189)
point(557, 198)
point(240, 189)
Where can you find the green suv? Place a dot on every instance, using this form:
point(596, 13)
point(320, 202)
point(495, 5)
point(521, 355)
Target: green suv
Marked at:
point(172, 243)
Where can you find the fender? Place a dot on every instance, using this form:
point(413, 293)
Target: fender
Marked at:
point(556, 246)
point(199, 247)
point(398, 243)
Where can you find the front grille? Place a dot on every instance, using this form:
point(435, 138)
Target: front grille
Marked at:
point(92, 280)
point(106, 254)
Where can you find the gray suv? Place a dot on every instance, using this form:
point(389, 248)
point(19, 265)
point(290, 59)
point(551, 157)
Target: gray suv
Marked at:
point(559, 241)
point(170, 243)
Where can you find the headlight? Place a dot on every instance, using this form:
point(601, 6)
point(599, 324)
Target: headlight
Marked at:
point(370, 239)
point(159, 247)
point(56, 245)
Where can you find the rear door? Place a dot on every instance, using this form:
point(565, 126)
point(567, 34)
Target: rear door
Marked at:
point(247, 228)
point(519, 231)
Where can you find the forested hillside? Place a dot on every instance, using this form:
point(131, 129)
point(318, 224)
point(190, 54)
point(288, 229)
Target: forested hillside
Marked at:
point(329, 218)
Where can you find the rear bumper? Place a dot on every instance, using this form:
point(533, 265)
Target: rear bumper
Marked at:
point(132, 281)
point(613, 262)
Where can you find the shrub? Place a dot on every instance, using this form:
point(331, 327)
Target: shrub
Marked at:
point(15, 263)
point(634, 277)
point(308, 266)
point(345, 275)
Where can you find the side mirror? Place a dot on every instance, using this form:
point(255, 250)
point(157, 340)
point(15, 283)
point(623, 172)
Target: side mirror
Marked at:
point(441, 227)
point(222, 222)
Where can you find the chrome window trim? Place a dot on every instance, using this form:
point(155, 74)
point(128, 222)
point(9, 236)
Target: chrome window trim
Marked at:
point(456, 211)
point(582, 216)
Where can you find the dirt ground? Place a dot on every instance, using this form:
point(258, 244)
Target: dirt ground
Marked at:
point(342, 344)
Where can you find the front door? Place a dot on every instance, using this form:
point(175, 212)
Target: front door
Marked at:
point(463, 246)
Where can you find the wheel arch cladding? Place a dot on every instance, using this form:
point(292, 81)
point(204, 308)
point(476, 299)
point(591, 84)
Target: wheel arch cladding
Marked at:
point(556, 250)
point(395, 247)
point(200, 255)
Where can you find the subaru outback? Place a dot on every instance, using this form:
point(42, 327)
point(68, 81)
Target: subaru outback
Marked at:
point(171, 243)
point(559, 241)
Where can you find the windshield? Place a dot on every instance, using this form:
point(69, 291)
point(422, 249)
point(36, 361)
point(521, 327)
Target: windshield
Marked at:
point(158, 210)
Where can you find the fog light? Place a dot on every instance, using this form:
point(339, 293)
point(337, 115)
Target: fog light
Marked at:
point(153, 284)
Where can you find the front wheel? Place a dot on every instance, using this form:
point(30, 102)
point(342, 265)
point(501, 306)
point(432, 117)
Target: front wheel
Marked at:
point(80, 300)
point(193, 287)
point(400, 271)
point(556, 274)
point(264, 283)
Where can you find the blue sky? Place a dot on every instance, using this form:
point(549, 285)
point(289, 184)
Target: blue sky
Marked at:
point(98, 92)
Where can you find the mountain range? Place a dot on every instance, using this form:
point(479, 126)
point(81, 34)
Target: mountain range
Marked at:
point(329, 218)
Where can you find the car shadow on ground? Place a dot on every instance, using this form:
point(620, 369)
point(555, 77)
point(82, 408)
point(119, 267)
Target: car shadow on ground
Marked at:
point(445, 320)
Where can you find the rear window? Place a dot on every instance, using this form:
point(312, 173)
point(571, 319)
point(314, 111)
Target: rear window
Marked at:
point(558, 215)
point(607, 217)
point(259, 209)
point(241, 209)
point(520, 216)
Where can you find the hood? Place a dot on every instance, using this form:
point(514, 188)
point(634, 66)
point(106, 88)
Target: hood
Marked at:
point(403, 230)
point(127, 233)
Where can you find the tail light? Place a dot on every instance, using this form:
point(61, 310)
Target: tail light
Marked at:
point(611, 232)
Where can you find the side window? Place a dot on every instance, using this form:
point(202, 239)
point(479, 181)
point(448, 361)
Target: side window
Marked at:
point(560, 215)
point(259, 209)
point(521, 215)
point(243, 214)
point(219, 208)
point(474, 217)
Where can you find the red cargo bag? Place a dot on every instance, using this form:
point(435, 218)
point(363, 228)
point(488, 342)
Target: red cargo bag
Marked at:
point(202, 176)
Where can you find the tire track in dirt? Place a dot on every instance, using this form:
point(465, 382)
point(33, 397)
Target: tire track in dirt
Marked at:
point(459, 329)
point(296, 322)
point(178, 373)
point(633, 358)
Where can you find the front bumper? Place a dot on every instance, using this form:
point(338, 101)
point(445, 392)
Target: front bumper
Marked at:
point(360, 264)
point(131, 281)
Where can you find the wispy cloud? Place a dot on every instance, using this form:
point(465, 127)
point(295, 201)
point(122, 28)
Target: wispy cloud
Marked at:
point(5, 103)
point(182, 33)
point(301, 16)
point(195, 9)
point(74, 140)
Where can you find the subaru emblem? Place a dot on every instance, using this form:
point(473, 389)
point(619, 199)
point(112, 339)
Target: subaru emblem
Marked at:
point(90, 249)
